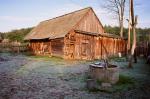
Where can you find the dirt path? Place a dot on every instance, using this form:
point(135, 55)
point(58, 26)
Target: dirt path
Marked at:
point(23, 77)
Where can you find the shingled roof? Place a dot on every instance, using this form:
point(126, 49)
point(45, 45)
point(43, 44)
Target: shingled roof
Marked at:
point(57, 27)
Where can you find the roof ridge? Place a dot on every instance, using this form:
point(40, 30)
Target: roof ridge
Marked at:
point(67, 14)
point(46, 32)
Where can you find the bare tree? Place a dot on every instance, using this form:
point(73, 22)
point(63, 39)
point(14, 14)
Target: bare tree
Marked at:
point(117, 7)
point(129, 27)
point(133, 24)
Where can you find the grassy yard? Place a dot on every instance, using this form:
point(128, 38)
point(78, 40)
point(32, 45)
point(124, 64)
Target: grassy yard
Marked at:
point(43, 77)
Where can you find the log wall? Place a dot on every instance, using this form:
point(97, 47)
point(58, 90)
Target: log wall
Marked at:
point(69, 45)
point(48, 47)
point(84, 47)
point(79, 46)
point(57, 47)
point(40, 47)
point(88, 47)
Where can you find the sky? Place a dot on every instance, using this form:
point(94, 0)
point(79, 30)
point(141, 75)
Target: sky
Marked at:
point(16, 14)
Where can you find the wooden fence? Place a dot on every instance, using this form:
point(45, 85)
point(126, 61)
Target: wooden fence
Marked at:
point(13, 47)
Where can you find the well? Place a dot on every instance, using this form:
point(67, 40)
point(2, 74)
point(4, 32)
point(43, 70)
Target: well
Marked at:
point(108, 75)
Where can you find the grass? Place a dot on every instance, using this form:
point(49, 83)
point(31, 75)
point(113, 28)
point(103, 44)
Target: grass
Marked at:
point(22, 71)
point(47, 58)
point(124, 83)
point(38, 57)
point(125, 80)
point(118, 59)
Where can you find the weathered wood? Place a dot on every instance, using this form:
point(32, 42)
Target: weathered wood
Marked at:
point(13, 47)
point(82, 46)
point(83, 41)
point(40, 47)
point(90, 23)
point(109, 75)
point(57, 46)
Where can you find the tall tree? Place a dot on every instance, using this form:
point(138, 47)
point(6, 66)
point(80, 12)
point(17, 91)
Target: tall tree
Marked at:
point(118, 7)
point(133, 24)
point(129, 28)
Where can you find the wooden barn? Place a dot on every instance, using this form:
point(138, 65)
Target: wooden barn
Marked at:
point(77, 35)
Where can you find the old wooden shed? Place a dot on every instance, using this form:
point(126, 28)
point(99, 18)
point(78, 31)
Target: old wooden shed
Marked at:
point(77, 35)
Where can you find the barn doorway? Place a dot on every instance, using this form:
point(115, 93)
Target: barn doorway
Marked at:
point(85, 49)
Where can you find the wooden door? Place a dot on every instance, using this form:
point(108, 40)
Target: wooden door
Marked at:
point(85, 49)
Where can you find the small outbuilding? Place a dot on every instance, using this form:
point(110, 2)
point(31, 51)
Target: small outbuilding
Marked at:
point(77, 35)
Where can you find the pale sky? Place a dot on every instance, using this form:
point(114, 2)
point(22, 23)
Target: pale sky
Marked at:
point(16, 14)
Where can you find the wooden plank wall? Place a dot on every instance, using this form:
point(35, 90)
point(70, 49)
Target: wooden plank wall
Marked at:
point(112, 46)
point(57, 47)
point(80, 46)
point(90, 47)
point(85, 47)
point(39, 47)
point(69, 45)
point(47, 47)
point(98, 47)
point(90, 23)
